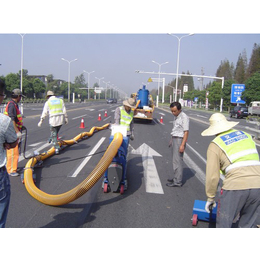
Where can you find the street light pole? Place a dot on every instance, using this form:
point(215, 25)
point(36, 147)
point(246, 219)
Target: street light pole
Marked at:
point(178, 60)
point(69, 76)
point(88, 79)
point(99, 84)
point(21, 84)
point(159, 81)
point(106, 88)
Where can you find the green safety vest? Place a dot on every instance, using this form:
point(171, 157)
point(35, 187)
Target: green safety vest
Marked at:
point(239, 148)
point(55, 106)
point(126, 118)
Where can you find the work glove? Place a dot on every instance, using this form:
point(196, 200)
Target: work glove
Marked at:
point(40, 123)
point(210, 205)
point(66, 121)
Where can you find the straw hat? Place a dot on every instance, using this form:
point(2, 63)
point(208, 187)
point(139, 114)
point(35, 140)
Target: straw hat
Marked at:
point(218, 124)
point(49, 93)
point(129, 102)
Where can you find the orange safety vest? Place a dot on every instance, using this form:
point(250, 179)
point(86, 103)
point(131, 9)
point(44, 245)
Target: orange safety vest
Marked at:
point(19, 121)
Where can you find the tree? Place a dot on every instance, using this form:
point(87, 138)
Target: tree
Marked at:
point(214, 94)
point(240, 71)
point(252, 90)
point(254, 64)
point(225, 70)
point(12, 81)
point(38, 88)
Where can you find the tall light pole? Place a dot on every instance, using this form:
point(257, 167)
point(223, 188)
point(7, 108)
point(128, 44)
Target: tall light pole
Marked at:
point(159, 81)
point(99, 84)
point(69, 77)
point(178, 59)
point(106, 88)
point(88, 79)
point(21, 84)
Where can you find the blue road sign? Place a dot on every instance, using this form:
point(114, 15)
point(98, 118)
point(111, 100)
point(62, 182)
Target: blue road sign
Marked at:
point(236, 92)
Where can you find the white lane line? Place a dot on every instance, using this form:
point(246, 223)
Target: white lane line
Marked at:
point(106, 118)
point(30, 152)
point(81, 116)
point(85, 161)
point(203, 159)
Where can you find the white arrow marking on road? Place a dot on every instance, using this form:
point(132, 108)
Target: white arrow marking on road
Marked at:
point(84, 162)
point(151, 177)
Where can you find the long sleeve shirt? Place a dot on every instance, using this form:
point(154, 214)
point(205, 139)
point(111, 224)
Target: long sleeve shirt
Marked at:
point(236, 179)
point(54, 120)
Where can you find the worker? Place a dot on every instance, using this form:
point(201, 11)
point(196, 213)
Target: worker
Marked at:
point(56, 109)
point(179, 138)
point(233, 152)
point(12, 110)
point(124, 115)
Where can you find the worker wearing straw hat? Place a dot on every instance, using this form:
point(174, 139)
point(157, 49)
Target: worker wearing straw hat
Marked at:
point(232, 152)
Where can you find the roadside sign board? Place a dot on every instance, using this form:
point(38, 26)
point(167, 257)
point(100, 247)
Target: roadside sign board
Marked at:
point(236, 92)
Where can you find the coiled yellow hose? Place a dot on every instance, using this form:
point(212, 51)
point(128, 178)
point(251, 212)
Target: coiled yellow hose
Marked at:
point(84, 186)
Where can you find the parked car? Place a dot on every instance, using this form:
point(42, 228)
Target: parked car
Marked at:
point(115, 100)
point(239, 112)
point(110, 101)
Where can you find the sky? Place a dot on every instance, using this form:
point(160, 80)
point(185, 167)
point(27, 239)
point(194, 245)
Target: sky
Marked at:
point(115, 46)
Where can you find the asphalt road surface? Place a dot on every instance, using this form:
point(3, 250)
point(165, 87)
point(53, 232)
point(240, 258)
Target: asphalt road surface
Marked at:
point(147, 203)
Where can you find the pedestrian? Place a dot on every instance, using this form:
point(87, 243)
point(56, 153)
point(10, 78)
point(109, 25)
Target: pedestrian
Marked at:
point(13, 111)
point(8, 139)
point(179, 138)
point(56, 109)
point(124, 115)
point(234, 153)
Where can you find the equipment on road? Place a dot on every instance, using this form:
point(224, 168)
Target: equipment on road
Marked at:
point(145, 104)
point(199, 213)
point(84, 186)
point(115, 175)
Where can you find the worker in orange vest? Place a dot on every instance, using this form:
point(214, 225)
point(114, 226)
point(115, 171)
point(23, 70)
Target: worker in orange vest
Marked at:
point(12, 110)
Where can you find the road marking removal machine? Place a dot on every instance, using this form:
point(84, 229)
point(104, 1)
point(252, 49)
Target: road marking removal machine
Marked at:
point(115, 176)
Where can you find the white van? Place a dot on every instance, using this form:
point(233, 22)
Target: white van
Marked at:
point(254, 108)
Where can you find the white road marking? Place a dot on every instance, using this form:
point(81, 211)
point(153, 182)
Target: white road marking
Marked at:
point(151, 176)
point(85, 161)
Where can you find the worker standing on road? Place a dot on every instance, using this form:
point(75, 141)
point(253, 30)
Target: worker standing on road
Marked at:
point(124, 115)
point(234, 153)
point(8, 139)
point(179, 137)
point(57, 116)
point(12, 110)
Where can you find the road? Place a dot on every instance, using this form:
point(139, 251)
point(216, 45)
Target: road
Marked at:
point(140, 206)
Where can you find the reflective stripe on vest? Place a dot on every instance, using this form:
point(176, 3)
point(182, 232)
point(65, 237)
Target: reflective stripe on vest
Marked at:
point(55, 106)
point(239, 148)
point(19, 122)
point(126, 118)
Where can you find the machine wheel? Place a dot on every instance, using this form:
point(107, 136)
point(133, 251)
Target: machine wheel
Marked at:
point(122, 188)
point(105, 187)
point(195, 220)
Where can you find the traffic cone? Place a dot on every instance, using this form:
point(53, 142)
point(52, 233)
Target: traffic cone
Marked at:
point(161, 120)
point(82, 123)
point(105, 113)
point(99, 117)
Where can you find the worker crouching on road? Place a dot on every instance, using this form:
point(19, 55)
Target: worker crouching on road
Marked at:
point(12, 110)
point(124, 115)
point(57, 117)
point(234, 153)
